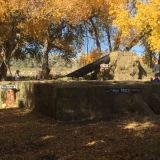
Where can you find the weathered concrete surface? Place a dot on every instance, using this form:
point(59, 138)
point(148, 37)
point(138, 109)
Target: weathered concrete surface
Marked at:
point(83, 99)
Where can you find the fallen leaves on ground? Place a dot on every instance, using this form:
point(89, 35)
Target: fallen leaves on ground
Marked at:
point(25, 135)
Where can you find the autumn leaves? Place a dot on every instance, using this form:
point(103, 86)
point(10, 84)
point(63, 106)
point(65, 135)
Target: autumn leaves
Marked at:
point(124, 22)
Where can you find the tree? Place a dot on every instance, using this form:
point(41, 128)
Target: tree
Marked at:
point(137, 21)
point(149, 56)
point(90, 57)
point(45, 24)
point(60, 26)
point(12, 19)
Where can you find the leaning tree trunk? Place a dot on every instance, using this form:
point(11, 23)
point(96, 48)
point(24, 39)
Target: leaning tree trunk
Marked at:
point(45, 68)
point(117, 41)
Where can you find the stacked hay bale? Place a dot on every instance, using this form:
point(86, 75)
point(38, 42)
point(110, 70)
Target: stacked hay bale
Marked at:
point(46, 98)
point(148, 70)
point(125, 66)
point(25, 94)
point(104, 72)
point(77, 101)
point(108, 73)
point(85, 100)
point(71, 101)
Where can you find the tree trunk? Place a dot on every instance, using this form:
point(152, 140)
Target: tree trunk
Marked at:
point(150, 59)
point(134, 42)
point(3, 71)
point(149, 54)
point(117, 41)
point(10, 50)
point(96, 36)
point(109, 38)
point(45, 68)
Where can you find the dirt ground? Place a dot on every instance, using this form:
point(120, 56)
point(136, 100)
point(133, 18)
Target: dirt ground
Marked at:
point(31, 136)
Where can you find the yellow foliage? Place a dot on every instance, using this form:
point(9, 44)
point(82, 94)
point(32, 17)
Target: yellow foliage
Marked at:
point(129, 21)
point(89, 58)
point(149, 18)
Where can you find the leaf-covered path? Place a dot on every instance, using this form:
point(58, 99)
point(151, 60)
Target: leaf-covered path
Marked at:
point(32, 136)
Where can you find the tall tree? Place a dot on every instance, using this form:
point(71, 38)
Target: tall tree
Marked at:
point(12, 19)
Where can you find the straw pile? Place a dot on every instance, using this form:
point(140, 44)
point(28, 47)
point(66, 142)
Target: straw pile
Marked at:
point(125, 66)
point(80, 100)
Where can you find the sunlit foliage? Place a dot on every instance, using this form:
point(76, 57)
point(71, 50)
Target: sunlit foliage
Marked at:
point(128, 22)
point(88, 58)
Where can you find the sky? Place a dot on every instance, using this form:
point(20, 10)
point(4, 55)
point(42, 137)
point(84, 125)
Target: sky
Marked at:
point(90, 44)
point(138, 49)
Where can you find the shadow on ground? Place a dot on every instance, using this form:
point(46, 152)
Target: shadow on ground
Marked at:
point(32, 136)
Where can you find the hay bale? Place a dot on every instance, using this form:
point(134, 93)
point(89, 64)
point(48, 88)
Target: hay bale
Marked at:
point(25, 95)
point(104, 72)
point(82, 102)
point(121, 102)
point(155, 102)
point(127, 66)
point(137, 104)
point(46, 101)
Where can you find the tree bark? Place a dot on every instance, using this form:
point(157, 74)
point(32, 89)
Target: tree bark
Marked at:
point(10, 50)
point(3, 71)
point(150, 59)
point(96, 35)
point(136, 40)
point(133, 42)
point(117, 41)
point(45, 68)
point(109, 38)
